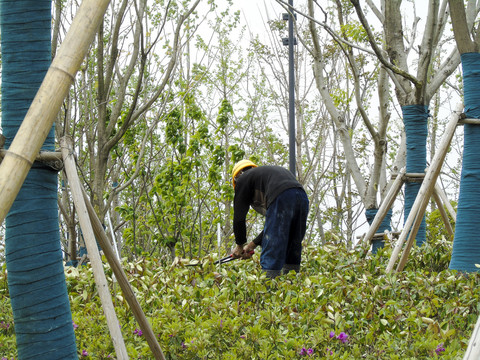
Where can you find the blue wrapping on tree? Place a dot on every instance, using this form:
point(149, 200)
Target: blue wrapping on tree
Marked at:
point(415, 119)
point(36, 280)
point(466, 242)
point(384, 225)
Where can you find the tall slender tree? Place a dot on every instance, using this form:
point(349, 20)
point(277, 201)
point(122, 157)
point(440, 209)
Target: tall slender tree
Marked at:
point(348, 106)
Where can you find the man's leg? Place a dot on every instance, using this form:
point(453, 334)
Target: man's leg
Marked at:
point(276, 232)
point(297, 232)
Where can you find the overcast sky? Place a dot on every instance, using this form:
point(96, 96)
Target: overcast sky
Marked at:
point(255, 12)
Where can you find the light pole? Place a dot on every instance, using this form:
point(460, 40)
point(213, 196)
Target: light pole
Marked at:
point(291, 41)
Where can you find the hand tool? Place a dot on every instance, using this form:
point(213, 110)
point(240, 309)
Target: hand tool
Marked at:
point(222, 260)
point(229, 258)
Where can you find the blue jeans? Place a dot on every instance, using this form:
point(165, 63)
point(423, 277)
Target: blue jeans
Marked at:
point(285, 226)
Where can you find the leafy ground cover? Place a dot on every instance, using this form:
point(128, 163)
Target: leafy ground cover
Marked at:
point(341, 306)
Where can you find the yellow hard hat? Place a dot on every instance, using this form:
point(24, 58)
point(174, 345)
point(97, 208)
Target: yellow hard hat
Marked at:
point(242, 164)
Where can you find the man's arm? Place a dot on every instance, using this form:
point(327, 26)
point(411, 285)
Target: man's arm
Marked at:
point(258, 239)
point(241, 205)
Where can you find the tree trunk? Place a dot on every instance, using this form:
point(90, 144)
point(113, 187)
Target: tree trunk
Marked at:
point(466, 242)
point(416, 129)
point(413, 92)
point(41, 309)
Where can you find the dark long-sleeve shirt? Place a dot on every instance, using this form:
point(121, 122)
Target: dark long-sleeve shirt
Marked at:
point(258, 187)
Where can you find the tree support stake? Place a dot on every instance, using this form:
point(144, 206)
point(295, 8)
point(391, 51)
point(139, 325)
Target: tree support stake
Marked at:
point(419, 206)
point(95, 225)
point(94, 254)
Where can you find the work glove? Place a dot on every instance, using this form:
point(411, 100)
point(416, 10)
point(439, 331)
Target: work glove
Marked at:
point(248, 250)
point(238, 251)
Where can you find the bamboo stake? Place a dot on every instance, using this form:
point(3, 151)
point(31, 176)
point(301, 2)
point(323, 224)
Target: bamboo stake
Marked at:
point(123, 281)
point(443, 213)
point(93, 253)
point(469, 121)
point(418, 209)
point(42, 113)
point(445, 201)
point(42, 156)
point(473, 349)
point(386, 204)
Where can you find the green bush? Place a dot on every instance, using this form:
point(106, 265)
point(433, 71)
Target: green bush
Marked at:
point(341, 306)
point(436, 226)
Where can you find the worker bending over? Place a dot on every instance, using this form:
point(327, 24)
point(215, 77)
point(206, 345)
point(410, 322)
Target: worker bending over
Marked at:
point(274, 192)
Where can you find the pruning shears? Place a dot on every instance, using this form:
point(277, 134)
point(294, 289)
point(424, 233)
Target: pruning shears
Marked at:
point(223, 260)
point(229, 258)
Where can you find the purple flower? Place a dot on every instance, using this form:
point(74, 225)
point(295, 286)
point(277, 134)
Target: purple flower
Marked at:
point(304, 352)
point(332, 334)
point(342, 337)
point(84, 353)
point(440, 349)
point(243, 337)
point(329, 352)
point(138, 332)
point(74, 325)
point(183, 345)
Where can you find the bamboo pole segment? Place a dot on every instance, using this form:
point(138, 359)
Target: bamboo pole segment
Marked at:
point(44, 108)
point(473, 349)
point(445, 201)
point(418, 209)
point(42, 156)
point(411, 228)
point(469, 121)
point(414, 177)
point(443, 213)
point(93, 253)
point(122, 280)
point(385, 206)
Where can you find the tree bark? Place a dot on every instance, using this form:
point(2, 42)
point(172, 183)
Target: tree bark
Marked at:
point(34, 260)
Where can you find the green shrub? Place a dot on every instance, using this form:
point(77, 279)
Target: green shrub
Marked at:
point(341, 306)
point(436, 226)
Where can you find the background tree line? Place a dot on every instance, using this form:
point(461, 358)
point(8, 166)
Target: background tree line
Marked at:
point(173, 93)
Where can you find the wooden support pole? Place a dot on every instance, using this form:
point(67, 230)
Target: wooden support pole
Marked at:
point(411, 177)
point(42, 156)
point(445, 201)
point(122, 280)
point(45, 106)
point(469, 121)
point(385, 206)
point(443, 213)
point(92, 248)
point(414, 177)
point(416, 217)
point(473, 349)
point(418, 209)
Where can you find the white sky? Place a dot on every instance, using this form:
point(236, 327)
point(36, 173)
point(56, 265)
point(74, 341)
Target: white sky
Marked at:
point(255, 13)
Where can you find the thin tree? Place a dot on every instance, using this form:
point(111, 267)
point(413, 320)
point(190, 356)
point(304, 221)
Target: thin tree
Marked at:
point(348, 40)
